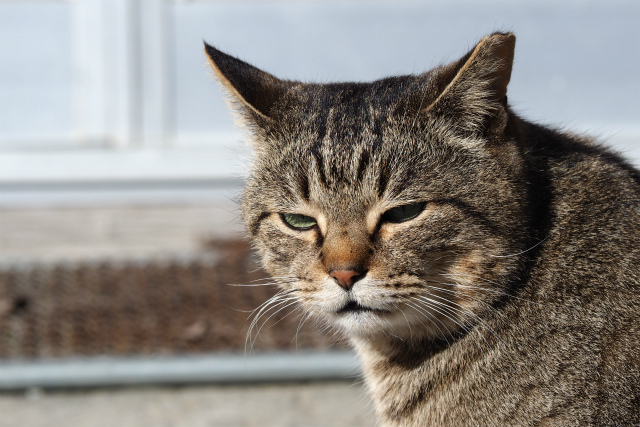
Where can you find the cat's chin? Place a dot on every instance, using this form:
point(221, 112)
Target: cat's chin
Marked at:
point(358, 320)
point(355, 319)
point(361, 323)
point(354, 307)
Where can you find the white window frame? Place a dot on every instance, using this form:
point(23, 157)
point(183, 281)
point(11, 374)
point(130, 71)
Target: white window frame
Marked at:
point(123, 133)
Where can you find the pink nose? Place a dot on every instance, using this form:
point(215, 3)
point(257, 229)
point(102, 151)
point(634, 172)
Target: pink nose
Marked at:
point(345, 278)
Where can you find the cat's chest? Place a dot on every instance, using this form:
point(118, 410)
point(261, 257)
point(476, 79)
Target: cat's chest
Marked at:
point(448, 388)
point(429, 390)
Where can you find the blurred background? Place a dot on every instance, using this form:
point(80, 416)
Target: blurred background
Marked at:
point(120, 168)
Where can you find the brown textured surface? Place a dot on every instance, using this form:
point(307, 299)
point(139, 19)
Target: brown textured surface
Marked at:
point(135, 308)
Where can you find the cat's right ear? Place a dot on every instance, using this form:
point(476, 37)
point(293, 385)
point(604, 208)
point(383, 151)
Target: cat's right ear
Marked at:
point(253, 91)
point(473, 90)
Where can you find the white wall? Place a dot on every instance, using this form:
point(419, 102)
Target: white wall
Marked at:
point(116, 94)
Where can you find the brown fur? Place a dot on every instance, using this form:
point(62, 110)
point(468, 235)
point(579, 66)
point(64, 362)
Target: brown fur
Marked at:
point(513, 298)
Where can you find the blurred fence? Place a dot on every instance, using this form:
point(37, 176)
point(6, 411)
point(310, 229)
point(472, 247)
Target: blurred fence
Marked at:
point(125, 308)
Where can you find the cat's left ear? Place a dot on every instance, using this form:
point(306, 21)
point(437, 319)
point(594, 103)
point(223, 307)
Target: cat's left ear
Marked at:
point(474, 89)
point(253, 92)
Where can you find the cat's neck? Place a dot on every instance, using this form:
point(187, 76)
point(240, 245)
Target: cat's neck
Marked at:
point(404, 353)
point(398, 372)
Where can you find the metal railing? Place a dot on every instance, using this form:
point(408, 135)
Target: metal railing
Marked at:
point(200, 369)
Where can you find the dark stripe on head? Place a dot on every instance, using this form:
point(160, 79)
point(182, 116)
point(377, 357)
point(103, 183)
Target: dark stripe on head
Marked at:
point(383, 180)
point(363, 162)
point(303, 185)
point(317, 156)
point(253, 228)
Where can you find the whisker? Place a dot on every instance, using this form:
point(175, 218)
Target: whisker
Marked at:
point(467, 297)
point(468, 312)
point(489, 307)
point(273, 280)
point(496, 291)
point(303, 319)
point(405, 318)
point(521, 252)
point(285, 316)
point(433, 305)
point(278, 307)
point(428, 315)
point(273, 302)
point(249, 285)
point(282, 306)
point(276, 296)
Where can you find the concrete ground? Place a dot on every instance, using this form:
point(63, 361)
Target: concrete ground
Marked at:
point(301, 404)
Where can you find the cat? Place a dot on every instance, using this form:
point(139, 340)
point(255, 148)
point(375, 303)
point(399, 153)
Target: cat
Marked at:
point(485, 269)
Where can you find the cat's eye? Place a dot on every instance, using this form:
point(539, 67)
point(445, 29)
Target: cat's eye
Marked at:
point(403, 213)
point(299, 221)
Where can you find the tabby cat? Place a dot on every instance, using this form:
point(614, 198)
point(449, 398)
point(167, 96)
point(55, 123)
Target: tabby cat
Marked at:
point(485, 269)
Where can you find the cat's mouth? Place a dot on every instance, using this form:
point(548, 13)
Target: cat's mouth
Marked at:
point(354, 307)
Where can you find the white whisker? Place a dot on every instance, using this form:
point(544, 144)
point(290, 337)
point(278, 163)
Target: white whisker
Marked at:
point(521, 252)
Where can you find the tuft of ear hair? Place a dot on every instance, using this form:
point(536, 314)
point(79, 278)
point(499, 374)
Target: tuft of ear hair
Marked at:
point(253, 91)
point(474, 88)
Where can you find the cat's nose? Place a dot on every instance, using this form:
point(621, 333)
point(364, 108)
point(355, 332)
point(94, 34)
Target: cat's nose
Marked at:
point(347, 278)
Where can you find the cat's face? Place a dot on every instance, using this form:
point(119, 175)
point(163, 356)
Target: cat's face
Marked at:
point(382, 207)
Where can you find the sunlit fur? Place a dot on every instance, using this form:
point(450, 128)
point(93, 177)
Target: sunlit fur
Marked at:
point(511, 299)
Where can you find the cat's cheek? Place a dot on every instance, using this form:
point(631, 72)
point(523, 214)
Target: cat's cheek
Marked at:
point(283, 250)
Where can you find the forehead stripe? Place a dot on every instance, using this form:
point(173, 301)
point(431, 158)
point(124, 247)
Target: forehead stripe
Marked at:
point(363, 162)
point(316, 155)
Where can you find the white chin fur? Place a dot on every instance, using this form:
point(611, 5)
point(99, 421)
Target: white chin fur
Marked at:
point(372, 324)
point(406, 323)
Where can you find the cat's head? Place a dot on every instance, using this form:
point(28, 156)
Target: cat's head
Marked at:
point(390, 207)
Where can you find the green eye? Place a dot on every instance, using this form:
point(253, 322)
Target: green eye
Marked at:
point(403, 213)
point(298, 221)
